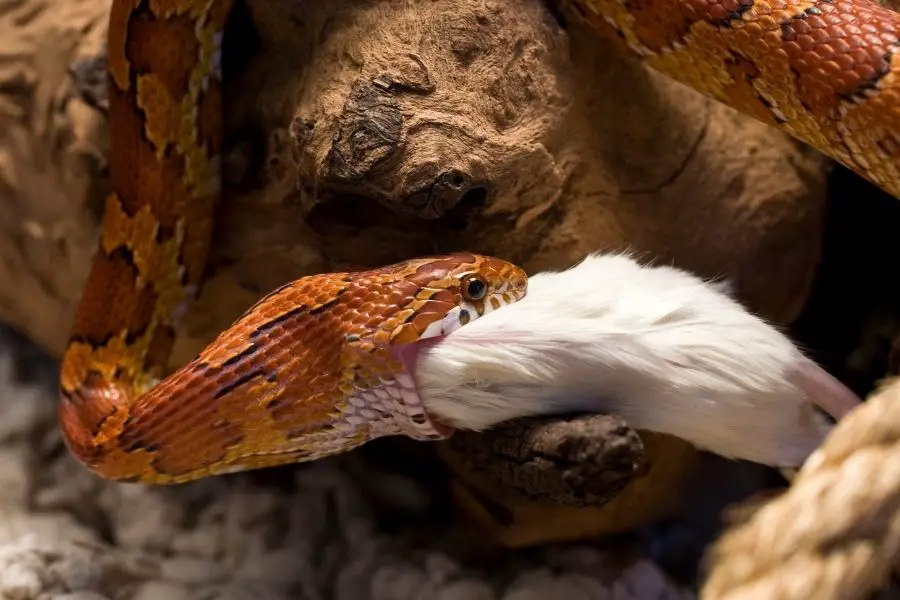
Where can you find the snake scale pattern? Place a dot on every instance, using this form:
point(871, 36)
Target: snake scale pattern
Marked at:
point(325, 363)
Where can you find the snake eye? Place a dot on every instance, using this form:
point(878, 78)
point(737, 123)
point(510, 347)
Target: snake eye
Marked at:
point(474, 288)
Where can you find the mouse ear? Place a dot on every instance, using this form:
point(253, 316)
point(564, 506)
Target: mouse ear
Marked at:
point(824, 390)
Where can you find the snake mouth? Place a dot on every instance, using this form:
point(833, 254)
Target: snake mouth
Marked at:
point(408, 355)
point(433, 427)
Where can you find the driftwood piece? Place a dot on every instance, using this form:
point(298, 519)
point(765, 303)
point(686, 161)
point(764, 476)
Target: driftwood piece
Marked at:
point(364, 132)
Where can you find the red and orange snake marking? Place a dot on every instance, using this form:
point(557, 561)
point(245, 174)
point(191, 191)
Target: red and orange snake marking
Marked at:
point(825, 71)
point(320, 366)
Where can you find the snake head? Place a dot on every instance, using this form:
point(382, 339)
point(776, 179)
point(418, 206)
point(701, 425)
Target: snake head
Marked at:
point(421, 300)
point(350, 375)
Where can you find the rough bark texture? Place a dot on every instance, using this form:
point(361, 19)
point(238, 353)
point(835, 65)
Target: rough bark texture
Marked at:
point(592, 499)
point(576, 462)
point(364, 132)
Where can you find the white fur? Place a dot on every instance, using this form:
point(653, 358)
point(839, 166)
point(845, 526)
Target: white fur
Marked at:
point(658, 346)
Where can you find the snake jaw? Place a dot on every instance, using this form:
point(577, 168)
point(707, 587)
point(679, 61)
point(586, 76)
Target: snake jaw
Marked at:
point(409, 412)
point(431, 428)
point(392, 406)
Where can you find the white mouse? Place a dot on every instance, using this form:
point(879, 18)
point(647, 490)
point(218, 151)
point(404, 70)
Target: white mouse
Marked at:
point(664, 349)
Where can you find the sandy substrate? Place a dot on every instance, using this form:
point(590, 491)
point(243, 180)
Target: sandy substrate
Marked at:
point(334, 529)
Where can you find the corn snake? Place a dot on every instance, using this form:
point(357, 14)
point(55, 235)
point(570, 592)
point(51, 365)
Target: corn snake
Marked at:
point(316, 367)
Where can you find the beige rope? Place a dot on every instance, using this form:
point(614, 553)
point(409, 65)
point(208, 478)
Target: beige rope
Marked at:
point(835, 534)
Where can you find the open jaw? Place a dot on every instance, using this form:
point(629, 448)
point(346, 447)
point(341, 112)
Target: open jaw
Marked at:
point(410, 416)
point(417, 424)
point(395, 407)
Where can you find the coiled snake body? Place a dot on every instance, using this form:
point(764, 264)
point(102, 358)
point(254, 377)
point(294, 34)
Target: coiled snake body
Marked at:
point(325, 363)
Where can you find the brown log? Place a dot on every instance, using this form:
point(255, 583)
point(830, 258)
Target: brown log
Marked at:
point(364, 132)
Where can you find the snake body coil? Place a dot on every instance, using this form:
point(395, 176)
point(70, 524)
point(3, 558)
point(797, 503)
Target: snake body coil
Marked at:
point(824, 71)
point(324, 363)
